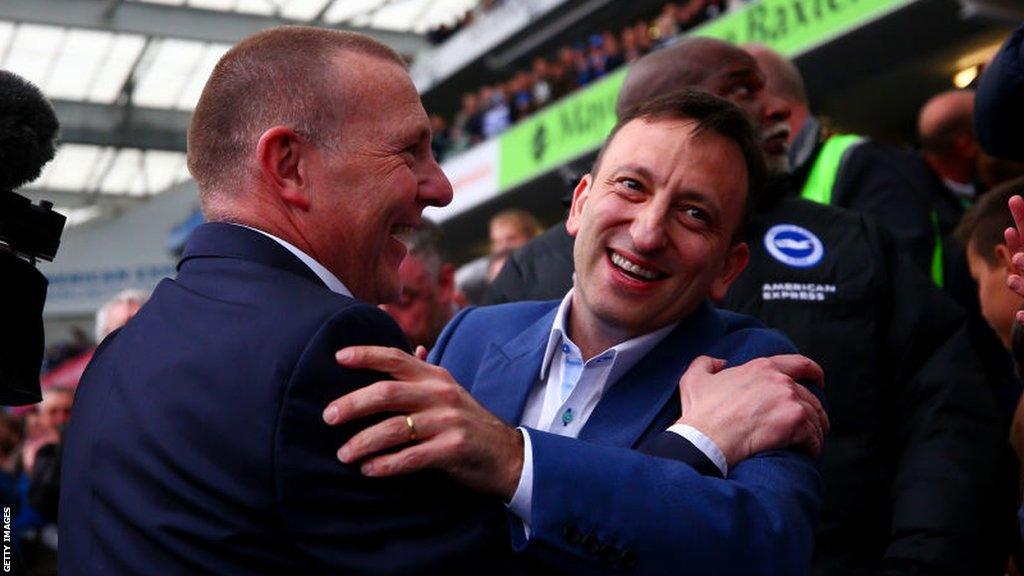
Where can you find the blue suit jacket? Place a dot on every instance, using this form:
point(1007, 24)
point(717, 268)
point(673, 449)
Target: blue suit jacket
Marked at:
point(598, 503)
point(197, 445)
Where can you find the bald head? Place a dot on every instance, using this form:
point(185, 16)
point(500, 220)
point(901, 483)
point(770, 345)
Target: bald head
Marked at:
point(782, 77)
point(701, 63)
point(945, 129)
point(944, 118)
point(783, 83)
point(721, 69)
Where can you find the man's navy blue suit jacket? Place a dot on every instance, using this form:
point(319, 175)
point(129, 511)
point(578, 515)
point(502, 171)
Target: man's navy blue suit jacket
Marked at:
point(598, 502)
point(197, 446)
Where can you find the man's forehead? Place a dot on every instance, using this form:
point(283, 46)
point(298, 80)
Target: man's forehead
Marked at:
point(634, 139)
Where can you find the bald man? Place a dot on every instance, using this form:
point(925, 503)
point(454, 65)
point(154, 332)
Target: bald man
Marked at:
point(850, 171)
point(945, 129)
point(912, 473)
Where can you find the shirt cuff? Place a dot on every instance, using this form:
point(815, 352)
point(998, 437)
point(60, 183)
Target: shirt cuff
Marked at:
point(700, 441)
point(521, 502)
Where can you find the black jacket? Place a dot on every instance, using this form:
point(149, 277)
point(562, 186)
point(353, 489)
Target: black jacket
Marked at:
point(915, 465)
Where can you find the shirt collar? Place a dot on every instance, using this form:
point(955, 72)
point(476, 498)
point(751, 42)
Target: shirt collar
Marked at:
point(332, 281)
point(960, 189)
point(626, 354)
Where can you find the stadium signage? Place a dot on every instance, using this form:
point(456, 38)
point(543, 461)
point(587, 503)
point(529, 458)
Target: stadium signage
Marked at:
point(563, 132)
point(796, 26)
point(578, 124)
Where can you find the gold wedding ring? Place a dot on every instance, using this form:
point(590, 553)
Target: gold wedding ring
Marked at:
point(412, 428)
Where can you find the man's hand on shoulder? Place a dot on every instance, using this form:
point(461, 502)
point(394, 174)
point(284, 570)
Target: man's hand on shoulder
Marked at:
point(436, 425)
point(754, 407)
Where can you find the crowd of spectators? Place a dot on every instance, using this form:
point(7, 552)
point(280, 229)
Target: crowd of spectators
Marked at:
point(493, 108)
point(445, 31)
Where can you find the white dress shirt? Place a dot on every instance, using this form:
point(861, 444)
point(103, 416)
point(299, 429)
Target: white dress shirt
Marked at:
point(324, 274)
point(569, 389)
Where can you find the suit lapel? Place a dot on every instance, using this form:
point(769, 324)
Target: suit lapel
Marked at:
point(631, 405)
point(509, 371)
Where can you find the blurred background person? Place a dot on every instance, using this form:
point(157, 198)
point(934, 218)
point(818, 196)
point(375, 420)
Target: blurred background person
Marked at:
point(116, 312)
point(428, 288)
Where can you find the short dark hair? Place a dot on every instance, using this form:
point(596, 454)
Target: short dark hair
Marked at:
point(280, 76)
point(983, 225)
point(711, 114)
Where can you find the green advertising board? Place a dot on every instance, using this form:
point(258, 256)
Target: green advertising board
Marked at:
point(573, 126)
point(578, 124)
point(792, 27)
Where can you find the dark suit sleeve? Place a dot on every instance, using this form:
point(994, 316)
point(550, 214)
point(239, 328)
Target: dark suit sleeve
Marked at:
point(345, 522)
point(618, 509)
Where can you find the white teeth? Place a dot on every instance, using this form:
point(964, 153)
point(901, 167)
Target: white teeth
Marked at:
point(632, 268)
point(402, 231)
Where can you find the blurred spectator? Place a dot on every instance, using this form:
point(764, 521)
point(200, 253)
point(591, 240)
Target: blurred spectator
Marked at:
point(597, 59)
point(612, 52)
point(428, 288)
point(497, 116)
point(564, 73)
point(945, 129)
point(494, 264)
point(522, 96)
point(471, 281)
point(980, 233)
point(116, 312)
point(643, 36)
point(631, 50)
point(665, 27)
point(541, 82)
point(438, 136)
point(467, 128)
point(510, 229)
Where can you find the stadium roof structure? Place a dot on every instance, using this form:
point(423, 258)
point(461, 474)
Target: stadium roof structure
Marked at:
point(124, 76)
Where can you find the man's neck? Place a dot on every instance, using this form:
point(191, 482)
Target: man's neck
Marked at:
point(589, 333)
point(951, 169)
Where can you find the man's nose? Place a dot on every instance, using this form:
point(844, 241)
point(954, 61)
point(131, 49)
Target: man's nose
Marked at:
point(648, 228)
point(776, 109)
point(435, 189)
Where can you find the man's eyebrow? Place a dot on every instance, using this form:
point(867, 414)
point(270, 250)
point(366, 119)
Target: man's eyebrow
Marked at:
point(635, 168)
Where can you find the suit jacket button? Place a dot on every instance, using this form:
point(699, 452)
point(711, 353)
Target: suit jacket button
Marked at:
point(591, 544)
point(627, 560)
point(572, 534)
point(609, 554)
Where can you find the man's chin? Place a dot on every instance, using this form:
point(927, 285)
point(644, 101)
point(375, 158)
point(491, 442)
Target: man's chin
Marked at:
point(777, 164)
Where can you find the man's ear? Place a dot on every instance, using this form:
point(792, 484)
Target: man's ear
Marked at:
point(735, 261)
point(1004, 257)
point(579, 198)
point(284, 157)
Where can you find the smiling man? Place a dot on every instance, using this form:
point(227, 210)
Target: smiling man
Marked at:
point(196, 446)
point(596, 381)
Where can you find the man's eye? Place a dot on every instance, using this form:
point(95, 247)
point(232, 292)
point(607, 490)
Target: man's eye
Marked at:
point(741, 92)
point(696, 213)
point(629, 187)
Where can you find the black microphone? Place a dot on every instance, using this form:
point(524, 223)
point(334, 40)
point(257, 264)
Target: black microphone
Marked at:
point(28, 132)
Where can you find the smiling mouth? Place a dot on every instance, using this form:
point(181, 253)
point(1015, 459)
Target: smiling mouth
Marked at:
point(403, 232)
point(634, 270)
